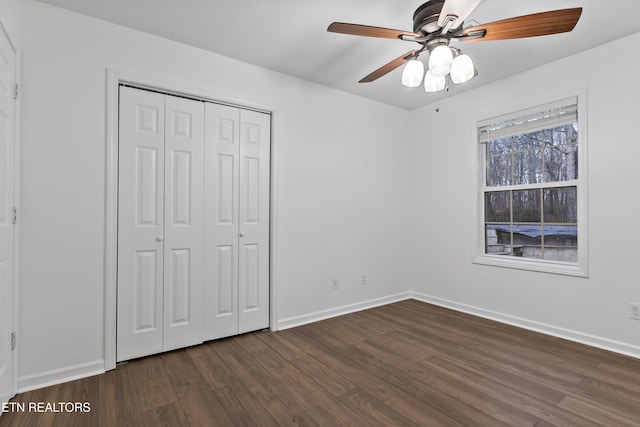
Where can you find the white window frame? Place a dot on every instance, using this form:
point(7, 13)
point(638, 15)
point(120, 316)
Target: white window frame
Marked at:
point(579, 268)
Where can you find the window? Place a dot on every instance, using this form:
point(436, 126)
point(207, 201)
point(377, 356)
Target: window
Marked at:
point(531, 189)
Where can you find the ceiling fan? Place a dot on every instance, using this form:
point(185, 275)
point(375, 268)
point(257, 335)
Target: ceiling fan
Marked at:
point(437, 22)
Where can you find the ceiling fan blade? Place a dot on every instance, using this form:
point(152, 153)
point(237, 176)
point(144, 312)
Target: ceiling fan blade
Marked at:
point(461, 9)
point(537, 24)
point(388, 67)
point(368, 31)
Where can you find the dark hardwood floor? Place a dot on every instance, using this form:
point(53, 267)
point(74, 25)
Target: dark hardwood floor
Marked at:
point(406, 364)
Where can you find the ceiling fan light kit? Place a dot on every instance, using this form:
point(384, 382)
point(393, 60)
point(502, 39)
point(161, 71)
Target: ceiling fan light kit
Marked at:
point(443, 60)
point(434, 83)
point(412, 73)
point(440, 59)
point(437, 22)
point(462, 69)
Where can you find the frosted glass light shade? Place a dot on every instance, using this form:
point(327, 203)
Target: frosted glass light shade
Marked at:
point(433, 83)
point(462, 69)
point(412, 73)
point(440, 60)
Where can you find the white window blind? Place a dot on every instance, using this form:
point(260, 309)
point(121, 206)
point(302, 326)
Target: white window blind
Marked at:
point(561, 113)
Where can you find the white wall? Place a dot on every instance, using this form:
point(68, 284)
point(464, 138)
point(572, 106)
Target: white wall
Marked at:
point(11, 18)
point(592, 310)
point(340, 192)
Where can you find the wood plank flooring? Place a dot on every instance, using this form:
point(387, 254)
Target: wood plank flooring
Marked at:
point(404, 364)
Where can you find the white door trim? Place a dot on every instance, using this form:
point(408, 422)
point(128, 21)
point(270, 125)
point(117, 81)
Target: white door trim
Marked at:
point(113, 79)
point(15, 186)
point(16, 230)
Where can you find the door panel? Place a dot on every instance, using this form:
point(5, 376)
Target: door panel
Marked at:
point(251, 276)
point(7, 202)
point(180, 281)
point(253, 286)
point(145, 281)
point(222, 127)
point(226, 185)
point(225, 279)
point(183, 243)
point(182, 195)
point(140, 223)
point(252, 190)
point(147, 187)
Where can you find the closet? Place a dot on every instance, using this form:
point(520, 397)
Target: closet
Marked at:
point(193, 222)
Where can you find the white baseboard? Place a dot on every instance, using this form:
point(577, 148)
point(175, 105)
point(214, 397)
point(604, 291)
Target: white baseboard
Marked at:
point(568, 334)
point(292, 322)
point(58, 376)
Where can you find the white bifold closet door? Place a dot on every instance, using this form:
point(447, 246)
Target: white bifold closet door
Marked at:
point(160, 223)
point(193, 222)
point(236, 220)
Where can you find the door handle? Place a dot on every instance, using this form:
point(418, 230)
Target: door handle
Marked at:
point(242, 234)
point(159, 238)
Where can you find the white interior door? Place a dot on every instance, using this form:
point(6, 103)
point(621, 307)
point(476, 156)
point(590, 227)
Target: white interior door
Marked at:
point(237, 171)
point(160, 197)
point(140, 223)
point(183, 228)
point(222, 132)
point(255, 149)
point(7, 203)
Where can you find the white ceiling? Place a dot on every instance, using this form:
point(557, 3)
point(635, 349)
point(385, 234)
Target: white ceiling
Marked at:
point(290, 36)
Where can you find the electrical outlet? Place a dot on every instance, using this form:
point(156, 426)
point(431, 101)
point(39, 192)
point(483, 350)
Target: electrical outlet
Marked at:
point(336, 284)
point(363, 279)
point(634, 311)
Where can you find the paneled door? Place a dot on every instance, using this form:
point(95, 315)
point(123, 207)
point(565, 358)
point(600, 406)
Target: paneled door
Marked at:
point(160, 223)
point(7, 217)
point(253, 269)
point(237, 171)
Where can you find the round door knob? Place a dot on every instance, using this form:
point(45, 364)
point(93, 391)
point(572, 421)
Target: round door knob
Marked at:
point(159, 239)
point(242, 234)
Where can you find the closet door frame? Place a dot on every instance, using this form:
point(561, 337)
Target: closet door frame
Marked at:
point(115, 78)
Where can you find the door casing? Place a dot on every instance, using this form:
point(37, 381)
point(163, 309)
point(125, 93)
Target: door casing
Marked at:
point(13, 191)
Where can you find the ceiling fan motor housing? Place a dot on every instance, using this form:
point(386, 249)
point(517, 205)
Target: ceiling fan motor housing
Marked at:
point(425, 18)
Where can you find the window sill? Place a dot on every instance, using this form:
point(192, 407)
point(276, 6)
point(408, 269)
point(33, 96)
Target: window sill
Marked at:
point(552, 267)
